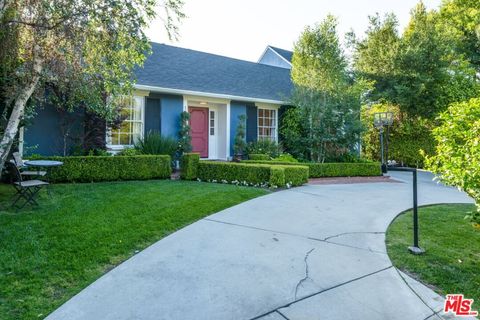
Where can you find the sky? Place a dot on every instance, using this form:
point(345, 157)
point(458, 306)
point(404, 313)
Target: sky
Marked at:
point(243, 28)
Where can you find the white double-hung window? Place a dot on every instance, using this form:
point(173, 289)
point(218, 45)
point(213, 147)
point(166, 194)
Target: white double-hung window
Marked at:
point(131, 128)
point(267, 124)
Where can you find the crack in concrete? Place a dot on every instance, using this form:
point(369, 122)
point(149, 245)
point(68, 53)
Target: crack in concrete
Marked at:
point(307, 276)
point(282, 315)
point(293, 235)
point(353, 232)
point(415, 292)
point(320, 292)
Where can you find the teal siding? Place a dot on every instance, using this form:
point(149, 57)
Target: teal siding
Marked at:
point(236, 109)
point(152, 115)
point(171, 108)
point(252, 123)
point(52, 132)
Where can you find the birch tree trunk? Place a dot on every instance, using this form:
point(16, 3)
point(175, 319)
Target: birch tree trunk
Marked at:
point(21, 100)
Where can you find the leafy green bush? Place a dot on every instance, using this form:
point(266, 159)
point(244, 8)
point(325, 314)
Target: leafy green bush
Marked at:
point(265, 146)
point(189, 166)
point(184, 137)
point(296, 175)
point(155, 143)
point(277, 177)
point(255, 156)
point(239, 143)
point(285, 157)
point(457, 158)
point(94, 169)
point(260, 175)
point(407, 137)
point(319, 170)
point(128, 152)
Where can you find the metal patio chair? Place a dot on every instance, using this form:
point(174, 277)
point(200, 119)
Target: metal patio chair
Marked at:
point(26, 190)
point(17, 158)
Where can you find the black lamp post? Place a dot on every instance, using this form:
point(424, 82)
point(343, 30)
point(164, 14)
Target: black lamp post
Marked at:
point(385, 119)
point(380, 121)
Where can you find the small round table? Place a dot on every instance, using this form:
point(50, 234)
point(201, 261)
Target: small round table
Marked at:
point(44, 164)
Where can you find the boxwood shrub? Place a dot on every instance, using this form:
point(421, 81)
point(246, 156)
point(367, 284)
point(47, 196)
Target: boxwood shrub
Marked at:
point(277, 177)
point(189, 166)
point(296, 175)
point(258, 156)
point(319, 170)
point(252, 174)
point(110, 168)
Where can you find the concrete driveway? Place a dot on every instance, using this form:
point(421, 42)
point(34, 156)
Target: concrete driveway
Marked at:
point(314, 252)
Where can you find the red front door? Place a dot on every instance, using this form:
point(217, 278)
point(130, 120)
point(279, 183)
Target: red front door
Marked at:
point(199, 130)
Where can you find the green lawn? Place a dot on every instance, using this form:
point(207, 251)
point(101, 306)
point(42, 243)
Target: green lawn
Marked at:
point(452, 260)
point(83, 230)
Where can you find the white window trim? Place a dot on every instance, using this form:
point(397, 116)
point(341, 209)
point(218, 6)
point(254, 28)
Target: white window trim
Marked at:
point(266, 107)
point(120, 147)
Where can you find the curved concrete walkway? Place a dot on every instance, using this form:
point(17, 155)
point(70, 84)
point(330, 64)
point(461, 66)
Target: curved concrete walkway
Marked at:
point(314, 252)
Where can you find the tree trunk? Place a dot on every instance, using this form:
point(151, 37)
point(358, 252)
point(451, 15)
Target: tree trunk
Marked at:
point(21, 100)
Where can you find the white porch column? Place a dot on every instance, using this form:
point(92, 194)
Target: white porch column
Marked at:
point(228, 131)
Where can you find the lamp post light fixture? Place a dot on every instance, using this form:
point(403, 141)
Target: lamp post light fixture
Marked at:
point(380, 121)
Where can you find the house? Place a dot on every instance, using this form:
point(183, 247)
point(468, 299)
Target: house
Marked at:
point(277, 57)
point(214, 89)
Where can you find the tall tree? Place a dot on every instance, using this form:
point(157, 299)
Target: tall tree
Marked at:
point(326, 122)
point(374, 56)
point(461, 18)
point(430, 75)
point(86, 47)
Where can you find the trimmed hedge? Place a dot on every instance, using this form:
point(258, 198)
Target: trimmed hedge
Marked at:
point(262, 175)
point(342, 169)
point(296, 175)
point(189, 166)
point(110, 168)
point(258, 156)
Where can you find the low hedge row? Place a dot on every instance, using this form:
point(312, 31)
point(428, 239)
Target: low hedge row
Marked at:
point(189, 166)
point(319, 170)
point(110, 168)
point(258, 156)
point(262, 175)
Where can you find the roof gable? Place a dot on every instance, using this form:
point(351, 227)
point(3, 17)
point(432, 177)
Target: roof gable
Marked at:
point(190, 70)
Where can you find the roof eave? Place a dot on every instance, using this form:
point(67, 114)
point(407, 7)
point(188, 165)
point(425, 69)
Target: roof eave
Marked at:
point(206, 94)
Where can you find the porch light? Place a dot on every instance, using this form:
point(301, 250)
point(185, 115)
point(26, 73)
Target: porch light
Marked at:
point(203, 103)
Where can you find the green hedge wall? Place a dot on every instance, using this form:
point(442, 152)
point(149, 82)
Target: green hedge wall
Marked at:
point(110, 168)
point(258, 156)
point(261, 175)
point(189, 166)
point(319, 170)
point(296, 175)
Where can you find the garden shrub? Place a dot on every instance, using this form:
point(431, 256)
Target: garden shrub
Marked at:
point(94, 169)
point(265, 146)
point(286, 157)
point(128, 152)
point(277, 177)
point(457, 158)
point(296, 175)
point(189, 166)
point(255, 156)
point(407, 137)
point(155, 143)
point(319, 170)
point(262, 175)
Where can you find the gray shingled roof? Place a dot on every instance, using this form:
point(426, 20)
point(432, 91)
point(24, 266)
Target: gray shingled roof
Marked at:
point(287, 55)
point(184, 69)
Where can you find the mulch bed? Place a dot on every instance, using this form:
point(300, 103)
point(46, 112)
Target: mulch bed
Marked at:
point(351, 180)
